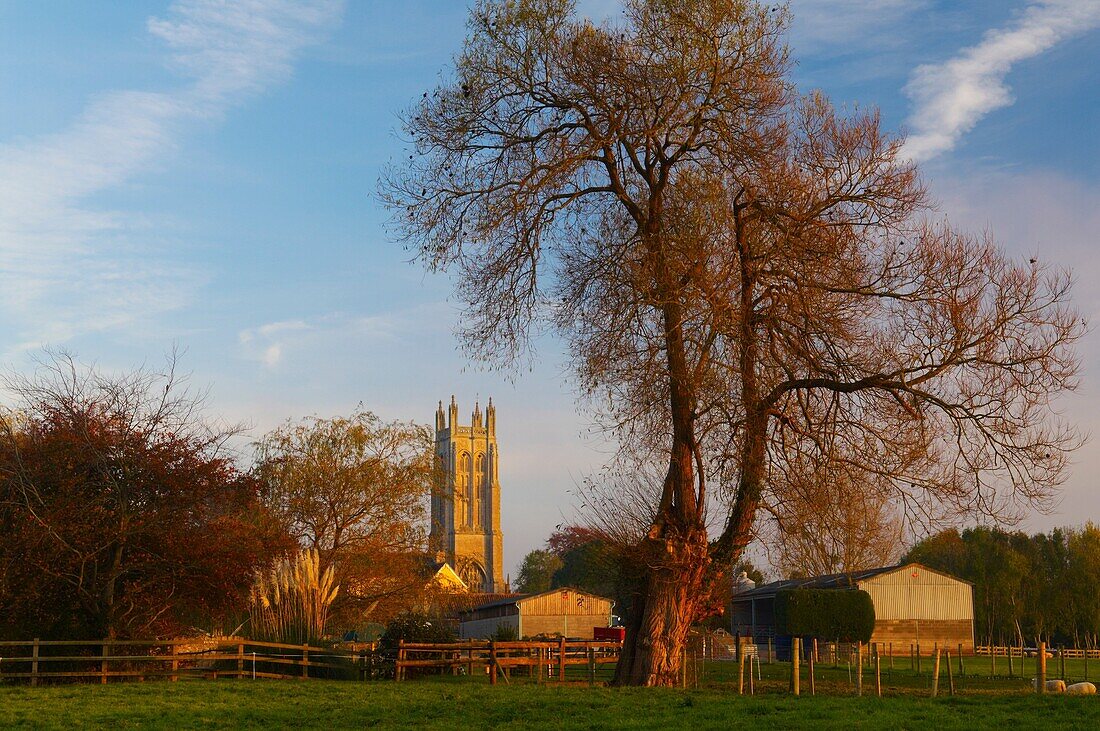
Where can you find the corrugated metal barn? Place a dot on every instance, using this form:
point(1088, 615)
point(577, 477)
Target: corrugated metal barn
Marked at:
point(566, 612)
point(913, 604)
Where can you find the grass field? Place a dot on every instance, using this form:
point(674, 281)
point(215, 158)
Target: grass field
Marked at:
point(472, 703)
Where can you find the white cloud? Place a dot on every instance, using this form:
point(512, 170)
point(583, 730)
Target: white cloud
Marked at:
point(952, 96)
point(68, 266)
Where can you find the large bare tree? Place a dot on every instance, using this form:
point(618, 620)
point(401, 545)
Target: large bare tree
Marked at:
point(744, 277)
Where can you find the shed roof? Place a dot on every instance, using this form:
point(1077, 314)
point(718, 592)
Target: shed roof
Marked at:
point(517, 598)
point(848, 580)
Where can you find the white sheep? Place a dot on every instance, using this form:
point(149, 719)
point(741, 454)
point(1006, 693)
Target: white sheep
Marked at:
point(1052, 686)
point(1081, 689)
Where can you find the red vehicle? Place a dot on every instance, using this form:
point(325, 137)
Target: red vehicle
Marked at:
point(609, 633)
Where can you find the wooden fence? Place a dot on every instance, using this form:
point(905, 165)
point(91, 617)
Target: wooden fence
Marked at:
point(105, 660)
point(545, 660)
point(1017, 651)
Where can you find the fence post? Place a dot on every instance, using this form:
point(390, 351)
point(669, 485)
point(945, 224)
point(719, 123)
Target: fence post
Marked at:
point(1041, 668)
point(936, 674)
point(175, 662)
point(752, 684)
point(813, 689)
point(1062, 661)
point(305, 661)
point(741, 674)
point(561, 660)
point(1011, 670)
point(399, 670)
point(992, 662)
point(771, 651)
point(492, 662)
point(103, 663)
point(34, 663)
point(592, 665)
point(950, 676)
point(878, 675)
point(795, 641)
point(890, 657)
point(240, 660)
point(918, 658)
point(859, 668)
point(961, 660)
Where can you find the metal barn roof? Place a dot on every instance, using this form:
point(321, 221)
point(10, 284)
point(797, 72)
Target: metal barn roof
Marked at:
point(848, 580)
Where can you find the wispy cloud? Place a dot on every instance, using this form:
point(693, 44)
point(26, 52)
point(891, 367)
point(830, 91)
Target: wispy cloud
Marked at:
point(837, 26)
point(951, 97)
point(323, 336)
point(68, 266)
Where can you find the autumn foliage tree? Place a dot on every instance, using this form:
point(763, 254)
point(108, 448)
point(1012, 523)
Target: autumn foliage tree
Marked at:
point(746, 279)
point(122, 513)
point(354, 489)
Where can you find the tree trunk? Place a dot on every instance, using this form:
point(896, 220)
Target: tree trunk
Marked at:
point(675, 553)
point(657, 628)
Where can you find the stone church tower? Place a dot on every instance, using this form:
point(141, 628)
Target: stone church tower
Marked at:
point(466, 502)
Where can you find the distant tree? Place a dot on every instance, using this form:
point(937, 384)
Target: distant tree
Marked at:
point(537, 571)
point(354, 488)
point(742, 274)
point(122, 514)
point(1042, 586)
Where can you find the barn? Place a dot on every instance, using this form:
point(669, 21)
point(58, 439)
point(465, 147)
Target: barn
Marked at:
point(566, 612)
point(913, 604)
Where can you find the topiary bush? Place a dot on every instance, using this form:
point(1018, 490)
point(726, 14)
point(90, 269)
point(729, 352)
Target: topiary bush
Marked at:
point(842, 614)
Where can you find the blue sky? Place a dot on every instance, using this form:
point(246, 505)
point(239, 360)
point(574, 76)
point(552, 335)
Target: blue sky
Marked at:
point(198, 175)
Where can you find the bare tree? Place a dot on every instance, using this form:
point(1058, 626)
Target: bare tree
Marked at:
point(832, 520)
point(743, 277)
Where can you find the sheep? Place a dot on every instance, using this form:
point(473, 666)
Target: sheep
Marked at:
point(1052, 686)
point(1081, 689)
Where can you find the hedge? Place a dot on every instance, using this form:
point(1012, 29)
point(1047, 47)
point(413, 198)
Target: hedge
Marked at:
point(841, 614)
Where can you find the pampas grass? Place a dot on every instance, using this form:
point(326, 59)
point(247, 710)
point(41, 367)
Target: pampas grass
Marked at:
point(290, 601)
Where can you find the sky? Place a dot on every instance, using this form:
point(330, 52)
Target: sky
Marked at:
point(201, 176)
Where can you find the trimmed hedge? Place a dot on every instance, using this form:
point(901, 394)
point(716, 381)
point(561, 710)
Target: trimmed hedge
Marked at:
point(847, 615)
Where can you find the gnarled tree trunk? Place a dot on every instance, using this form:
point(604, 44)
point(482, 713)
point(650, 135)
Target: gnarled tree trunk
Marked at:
point(657, 628)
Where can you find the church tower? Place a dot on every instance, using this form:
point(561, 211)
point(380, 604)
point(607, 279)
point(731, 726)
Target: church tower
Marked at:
point(466, 502)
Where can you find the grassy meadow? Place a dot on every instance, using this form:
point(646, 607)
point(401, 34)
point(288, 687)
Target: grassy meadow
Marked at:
point(457, 702)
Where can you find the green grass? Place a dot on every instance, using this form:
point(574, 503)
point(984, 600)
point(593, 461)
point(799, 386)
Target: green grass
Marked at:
point(472, 703)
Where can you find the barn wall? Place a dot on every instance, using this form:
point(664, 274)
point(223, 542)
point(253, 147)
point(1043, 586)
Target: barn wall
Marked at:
point(914, 593)
point(566, 612)
point(947, 634)
point(566, 625)
point(483, 629)
point(564, 601)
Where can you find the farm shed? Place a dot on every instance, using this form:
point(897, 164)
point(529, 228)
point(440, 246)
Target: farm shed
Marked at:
point(566, 612)
point(913, 603)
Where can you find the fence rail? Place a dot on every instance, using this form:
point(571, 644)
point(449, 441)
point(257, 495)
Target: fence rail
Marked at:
point(1017, 651)
point(549, 659)
point(230, 657)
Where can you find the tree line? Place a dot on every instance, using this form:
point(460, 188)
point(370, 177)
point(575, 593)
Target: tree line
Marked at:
point(125, 511)
point(1043, 586)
